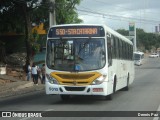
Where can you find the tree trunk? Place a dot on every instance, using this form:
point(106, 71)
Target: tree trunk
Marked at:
point(3, 54)
point(28, 34)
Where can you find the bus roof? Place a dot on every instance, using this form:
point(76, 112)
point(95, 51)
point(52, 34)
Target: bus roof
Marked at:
point(138, 52)
point(111, 31)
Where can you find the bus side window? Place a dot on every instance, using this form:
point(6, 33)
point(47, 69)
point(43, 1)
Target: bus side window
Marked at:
point(120, 49)
point(109, 49)
point(113, 47)
point(116, 47)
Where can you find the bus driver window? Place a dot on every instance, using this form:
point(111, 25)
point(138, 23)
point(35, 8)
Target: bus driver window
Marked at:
point(99, 54)
point(109, 46)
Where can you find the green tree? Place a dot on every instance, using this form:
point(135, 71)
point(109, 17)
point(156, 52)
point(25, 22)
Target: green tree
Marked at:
point(8, 15)
point(148, 40)
point(123, 32)
point(66, 11)
point(145, 41)
point(18, 16)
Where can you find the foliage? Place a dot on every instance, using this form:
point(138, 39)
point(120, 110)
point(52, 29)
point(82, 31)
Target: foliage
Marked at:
point(41, 14)
point(123, 32)
point(12, 13)
point(18, 16)
point(8, 15)
point(35, 46)
point(145, 41)
point(66, 11)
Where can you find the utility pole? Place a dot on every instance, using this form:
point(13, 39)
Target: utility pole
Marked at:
point(52, 14)
point(135, 40)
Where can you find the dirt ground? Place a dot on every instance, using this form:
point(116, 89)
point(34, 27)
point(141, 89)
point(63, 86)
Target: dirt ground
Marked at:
point(12, 73)
point(3, 82)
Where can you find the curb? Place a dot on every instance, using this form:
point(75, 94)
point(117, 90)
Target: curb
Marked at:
point(30, 84)
point(21, 88)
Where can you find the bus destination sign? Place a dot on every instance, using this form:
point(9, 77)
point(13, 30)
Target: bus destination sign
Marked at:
point(77, 31)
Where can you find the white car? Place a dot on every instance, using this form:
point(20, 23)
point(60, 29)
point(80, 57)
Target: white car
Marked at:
point(154, 55)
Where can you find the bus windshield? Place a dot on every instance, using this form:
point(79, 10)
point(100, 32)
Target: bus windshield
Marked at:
point(137, 56)
point(76, 54)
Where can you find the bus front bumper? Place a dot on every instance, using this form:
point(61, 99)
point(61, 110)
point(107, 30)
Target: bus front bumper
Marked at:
point(76, 90)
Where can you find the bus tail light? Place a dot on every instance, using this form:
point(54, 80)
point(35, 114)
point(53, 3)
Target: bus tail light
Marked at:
point(99, 80)
point(51, 79)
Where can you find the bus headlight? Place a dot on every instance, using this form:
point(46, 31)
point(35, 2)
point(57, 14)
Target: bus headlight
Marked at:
point(99, 80)
point(51, 79)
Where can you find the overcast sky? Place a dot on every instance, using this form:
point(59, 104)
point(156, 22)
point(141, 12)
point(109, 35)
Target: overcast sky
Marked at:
point(118, 13)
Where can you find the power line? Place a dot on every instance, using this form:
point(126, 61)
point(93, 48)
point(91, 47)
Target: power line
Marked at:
point(106, 2)
point(120, 17)
point(146, 12)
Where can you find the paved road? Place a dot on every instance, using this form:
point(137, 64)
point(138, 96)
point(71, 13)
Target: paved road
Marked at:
point(143, 95)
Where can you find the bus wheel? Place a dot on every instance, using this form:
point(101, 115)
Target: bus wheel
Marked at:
point(114, 86)
point(65, 97)
point(127, 87)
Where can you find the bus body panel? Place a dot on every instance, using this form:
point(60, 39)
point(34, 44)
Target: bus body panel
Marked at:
point(121, 72)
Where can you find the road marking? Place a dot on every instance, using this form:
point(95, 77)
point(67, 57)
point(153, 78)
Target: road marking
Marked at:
point(25, 118)
point(157, 118)
point(49, 110)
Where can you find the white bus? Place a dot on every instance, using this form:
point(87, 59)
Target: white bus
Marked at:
point(87, 60)
point(138, 58)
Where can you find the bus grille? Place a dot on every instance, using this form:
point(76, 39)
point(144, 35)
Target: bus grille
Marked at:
point(74, 88)
point(76, 79)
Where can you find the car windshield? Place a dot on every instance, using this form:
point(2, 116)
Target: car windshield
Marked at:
point(76, 54)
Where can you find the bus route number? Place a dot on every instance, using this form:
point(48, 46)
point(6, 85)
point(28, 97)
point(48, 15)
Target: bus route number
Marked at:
point(53, 89)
